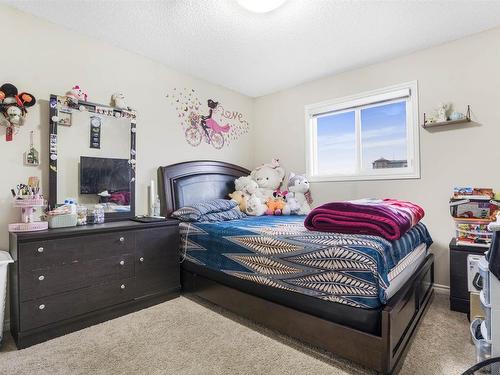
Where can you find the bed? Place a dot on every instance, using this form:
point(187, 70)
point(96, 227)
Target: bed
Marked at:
point(241, 266)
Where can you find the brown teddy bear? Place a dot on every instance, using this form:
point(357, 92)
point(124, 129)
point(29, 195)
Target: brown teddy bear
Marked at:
point(241, 198)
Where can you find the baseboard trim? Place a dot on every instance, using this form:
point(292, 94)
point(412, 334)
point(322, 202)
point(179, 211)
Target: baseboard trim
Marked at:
point(442, 289)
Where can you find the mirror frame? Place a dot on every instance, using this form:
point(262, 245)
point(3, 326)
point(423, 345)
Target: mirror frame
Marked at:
point(91, 108)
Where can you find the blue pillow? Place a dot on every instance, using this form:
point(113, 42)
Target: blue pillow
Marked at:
point(232, 214)
point(204, 211)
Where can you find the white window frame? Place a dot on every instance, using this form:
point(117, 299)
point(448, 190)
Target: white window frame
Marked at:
point(357, 102)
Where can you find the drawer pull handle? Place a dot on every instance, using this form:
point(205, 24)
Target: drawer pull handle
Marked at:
point(41, 277)
point(122, 239)
point(122, 262)
point(141, 259)
point(40, 249)
point(41, 307)
point(122, 286)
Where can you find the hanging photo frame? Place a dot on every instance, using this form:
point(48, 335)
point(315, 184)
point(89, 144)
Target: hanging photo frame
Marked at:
point(64, 118)
point(95, 132)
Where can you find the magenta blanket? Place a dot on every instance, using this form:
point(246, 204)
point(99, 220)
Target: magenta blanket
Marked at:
point(388, 218)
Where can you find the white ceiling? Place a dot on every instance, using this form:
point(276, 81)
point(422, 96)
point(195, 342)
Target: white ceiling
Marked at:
point(257, 54)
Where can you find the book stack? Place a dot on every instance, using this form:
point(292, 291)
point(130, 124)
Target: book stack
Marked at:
point(472, 210)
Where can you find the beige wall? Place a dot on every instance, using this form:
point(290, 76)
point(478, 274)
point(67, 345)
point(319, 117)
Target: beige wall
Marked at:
point(463, 72)
point(44, 58)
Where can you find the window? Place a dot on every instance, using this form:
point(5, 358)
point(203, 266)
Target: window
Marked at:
point(370, 136)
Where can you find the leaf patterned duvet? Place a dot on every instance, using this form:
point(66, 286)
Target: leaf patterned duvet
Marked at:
point(279, 251)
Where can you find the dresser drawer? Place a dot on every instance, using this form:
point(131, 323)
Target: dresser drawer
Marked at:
point(403, 313)
point(56, 279)
point(36, 255)
point(43, 311)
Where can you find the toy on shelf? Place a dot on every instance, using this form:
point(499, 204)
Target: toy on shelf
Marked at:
point(75, 94)
point(118, 100)
point(28, 198)
point(473, 209)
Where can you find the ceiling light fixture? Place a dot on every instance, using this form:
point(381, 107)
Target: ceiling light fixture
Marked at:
point(261, 6)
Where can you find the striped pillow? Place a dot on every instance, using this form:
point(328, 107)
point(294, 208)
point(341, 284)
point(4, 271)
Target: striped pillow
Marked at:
point(208, 210)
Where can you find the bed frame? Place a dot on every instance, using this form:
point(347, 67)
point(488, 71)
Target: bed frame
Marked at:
point(190, 182)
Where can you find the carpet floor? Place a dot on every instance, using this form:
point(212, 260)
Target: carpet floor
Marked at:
point(182, 336)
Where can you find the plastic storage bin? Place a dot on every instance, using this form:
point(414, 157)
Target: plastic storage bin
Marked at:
point(487, 316)
point(483, 346)
point(5, 259)
point(63, 221)
point(473, 232)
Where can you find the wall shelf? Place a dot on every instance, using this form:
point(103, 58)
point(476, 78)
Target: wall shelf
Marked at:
point(450, 122)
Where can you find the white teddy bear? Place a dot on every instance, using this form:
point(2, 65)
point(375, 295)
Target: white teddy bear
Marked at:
point(269, 178)
point(255, 207)
point(298, 188)
point(254, 200)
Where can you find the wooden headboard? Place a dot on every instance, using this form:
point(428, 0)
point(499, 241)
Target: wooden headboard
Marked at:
point(190, 182)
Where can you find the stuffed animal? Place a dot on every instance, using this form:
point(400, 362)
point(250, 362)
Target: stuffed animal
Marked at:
point(77, 93)
point(292, 206)
point(13, 105)
point(255, 207)
point(298, 186)
point(442, 112)
point(241, 198)
point(269, 178)
point(248, 186)
point(118, 100)
point(276, 204)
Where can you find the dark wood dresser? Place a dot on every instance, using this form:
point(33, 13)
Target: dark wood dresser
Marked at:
point(66, 279)
point(459, 293)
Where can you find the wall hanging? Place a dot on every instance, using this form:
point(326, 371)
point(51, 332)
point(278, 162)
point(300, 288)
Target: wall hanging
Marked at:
point(211, 123)
point(13, 108)
point(31, 157)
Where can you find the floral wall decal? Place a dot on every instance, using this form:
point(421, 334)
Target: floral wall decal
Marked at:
point(206, 121)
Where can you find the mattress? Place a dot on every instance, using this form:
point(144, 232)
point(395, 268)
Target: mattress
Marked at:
point(405, 268)
point(280, 253)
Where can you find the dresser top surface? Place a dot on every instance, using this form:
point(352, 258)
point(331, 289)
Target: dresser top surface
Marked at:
point(90, 229)
point(470, 249)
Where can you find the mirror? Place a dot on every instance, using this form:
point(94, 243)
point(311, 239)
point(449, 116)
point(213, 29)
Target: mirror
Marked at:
point(92, 156)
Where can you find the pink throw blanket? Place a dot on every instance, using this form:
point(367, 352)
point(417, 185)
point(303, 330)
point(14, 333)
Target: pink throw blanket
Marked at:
point(388, 218)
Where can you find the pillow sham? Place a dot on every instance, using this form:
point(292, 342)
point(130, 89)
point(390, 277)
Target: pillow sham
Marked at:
point(232, 214)
point(203, 211)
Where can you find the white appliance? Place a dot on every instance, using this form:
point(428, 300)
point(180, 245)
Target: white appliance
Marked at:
point(474, 281)
point(486, 332)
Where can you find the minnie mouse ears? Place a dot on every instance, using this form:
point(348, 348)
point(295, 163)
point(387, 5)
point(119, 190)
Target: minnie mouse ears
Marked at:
point(7, 91)
point(26, 99)
point(9, 95)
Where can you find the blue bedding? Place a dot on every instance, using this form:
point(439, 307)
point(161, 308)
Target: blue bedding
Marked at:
point(279, 251)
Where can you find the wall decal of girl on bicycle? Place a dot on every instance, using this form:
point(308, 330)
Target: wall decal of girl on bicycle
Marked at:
point(213, 124)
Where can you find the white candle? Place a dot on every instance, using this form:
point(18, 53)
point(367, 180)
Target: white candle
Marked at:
point(152, 197)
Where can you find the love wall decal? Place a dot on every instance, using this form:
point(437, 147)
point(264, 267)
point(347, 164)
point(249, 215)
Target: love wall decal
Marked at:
point(211, 122)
